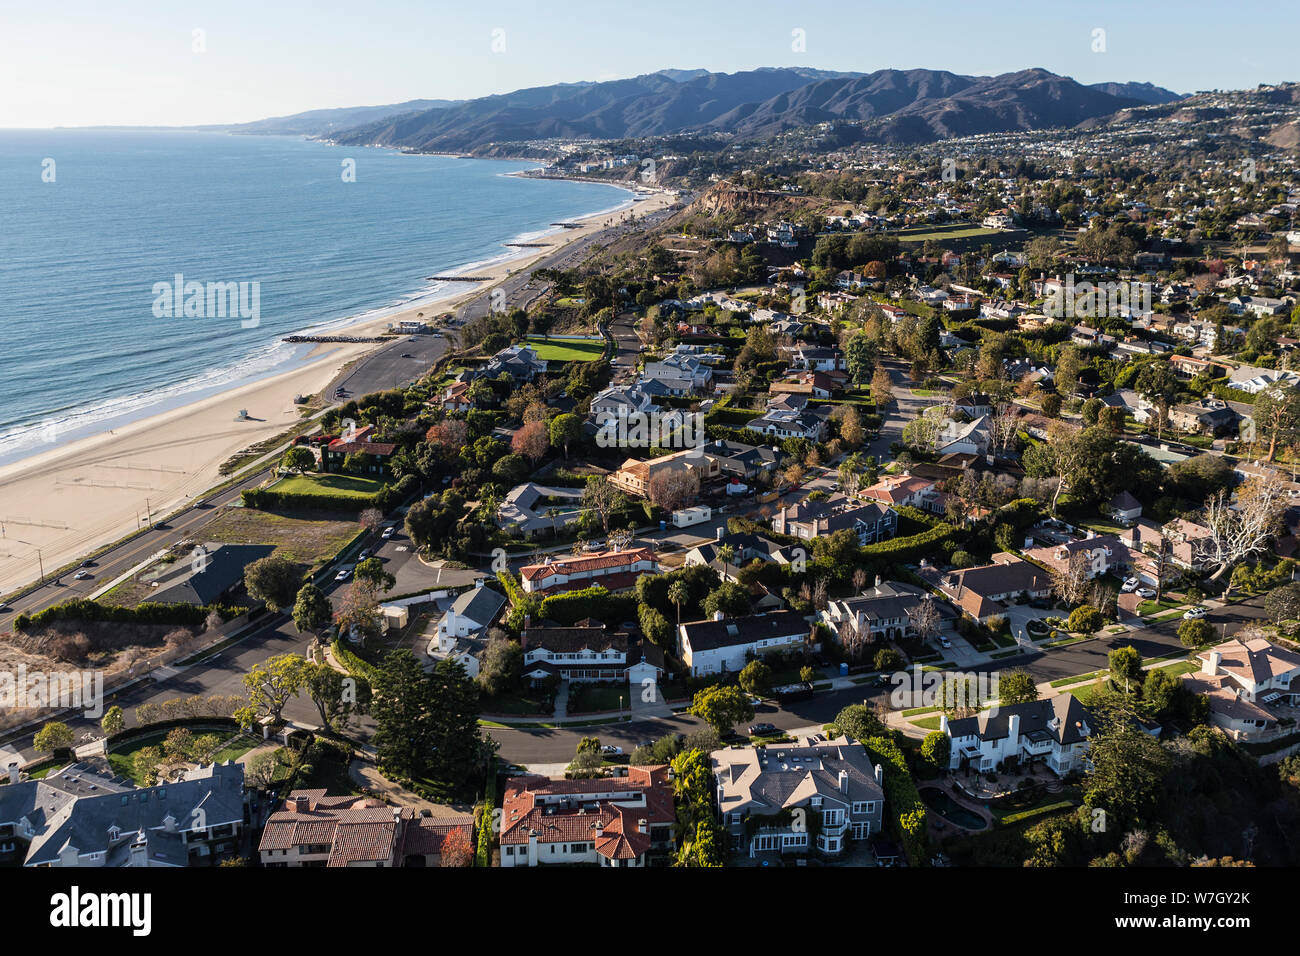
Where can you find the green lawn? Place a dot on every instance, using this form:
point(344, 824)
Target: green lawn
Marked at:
point(323, 484)
point(568, 350)
point(597, 700)
point(927, 723)
point(1151, 607)
point(923, 233)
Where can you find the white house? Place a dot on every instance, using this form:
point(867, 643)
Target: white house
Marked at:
point(1054, 732)
point(726, 643)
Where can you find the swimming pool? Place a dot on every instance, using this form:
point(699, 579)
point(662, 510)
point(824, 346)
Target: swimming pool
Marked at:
point(955, 813)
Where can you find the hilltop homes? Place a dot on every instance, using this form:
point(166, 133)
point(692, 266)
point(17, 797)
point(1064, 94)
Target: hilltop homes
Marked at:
point(984, 591)
point(610, 821)
point(759, 788)
point(1241, 678)
point(1053, 732)
point(313, 829)
point(612, 569)
point(728, 643)
point(870, 520)
point(880, 613)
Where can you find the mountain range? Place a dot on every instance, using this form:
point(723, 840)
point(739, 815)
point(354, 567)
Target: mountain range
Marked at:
point(888, 106)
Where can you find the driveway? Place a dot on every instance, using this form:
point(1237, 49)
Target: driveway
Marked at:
point(1018, 615)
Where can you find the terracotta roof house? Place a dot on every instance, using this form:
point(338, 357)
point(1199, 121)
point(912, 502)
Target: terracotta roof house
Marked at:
point(832, 779)
point(313, 829)
point(610, 568)
point(334, 454)
point(905, 489)
point(611, 821)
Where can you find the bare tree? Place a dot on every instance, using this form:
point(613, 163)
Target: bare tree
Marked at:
point(1003, 426)
point(1071, 583)
point(925, 618)
point(1240, 531)
point(859, 579)
point(672, 488)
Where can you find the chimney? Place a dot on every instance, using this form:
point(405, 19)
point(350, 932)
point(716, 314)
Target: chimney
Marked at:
point(299, 803)
point(169, 823)
point(880, 773)
point(1013, 730)
point(718, 533)
point(13, 772)
point(642, 826)
point(943, 722)
point(844, 781)
point(140, 850)
point(1209, 668)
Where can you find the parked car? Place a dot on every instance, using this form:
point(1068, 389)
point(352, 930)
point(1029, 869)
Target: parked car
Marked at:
point(1146, 592)
point(1193, 613)
point(343, 575)
point(388, 532)
point(944, 642)
point(1130, 584)
point(611, 750)
point(761, 730)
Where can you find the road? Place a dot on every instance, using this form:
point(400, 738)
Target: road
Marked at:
point(525, 746)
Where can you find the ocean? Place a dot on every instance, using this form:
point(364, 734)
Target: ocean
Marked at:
point(95, 224)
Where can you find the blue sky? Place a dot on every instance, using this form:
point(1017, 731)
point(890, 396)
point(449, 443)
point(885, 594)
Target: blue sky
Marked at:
point(86, 62)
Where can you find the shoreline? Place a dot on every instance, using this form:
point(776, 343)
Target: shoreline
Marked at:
point(76, 497)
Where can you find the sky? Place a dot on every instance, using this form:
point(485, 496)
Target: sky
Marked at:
point(140, 62)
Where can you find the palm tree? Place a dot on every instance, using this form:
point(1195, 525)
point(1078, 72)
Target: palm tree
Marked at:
point(679, 594)
point(727, 552)
point(553, 514)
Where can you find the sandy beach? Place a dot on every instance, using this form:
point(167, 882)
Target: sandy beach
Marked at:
point(75, 498)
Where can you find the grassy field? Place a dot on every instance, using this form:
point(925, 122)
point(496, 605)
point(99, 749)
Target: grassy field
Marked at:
point(322, 484)
point(301, 540)
point(922, 233)
point(559, 350)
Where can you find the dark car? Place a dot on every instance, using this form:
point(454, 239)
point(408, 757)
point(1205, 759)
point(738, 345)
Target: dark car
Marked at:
point(761, 730)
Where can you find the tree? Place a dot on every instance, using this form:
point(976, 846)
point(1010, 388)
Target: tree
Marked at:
point(851, 432)
point(449, 435)
point(370, 519)
point(261, 768)
point(1127, 767)
point(1071, 582)
point(113, 722)
point(1084, 619)
point(501, 666)
point(178, 743)
point(53, 737)
point(936, 749)
point(729, 598)
point(312, 609)
point(1158, 384)
point(456, 849)
point(756, 678)
point(1276, 414)
point(358, 612)
point(678, 594)
point(271, 685)
point(403, 711)
point(721, 708)
point(273, 579)
point(922, 433)
point(337, 696)
point(887, 659)
point(602, 498)
point(671, 488)
point(925, 618)
point(1125, 668)
point(1242, 530)
point(298, 459)
point(531, 441)
point(371, 574)
point(460, 754)
point(858, 722)
point(882, 387)
point(1283, 603)
point(1195, 633)
point(1016, 687)
point(565, 430)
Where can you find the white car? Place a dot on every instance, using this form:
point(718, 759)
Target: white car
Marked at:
point(1130, 584)
point(1146, 592)
point(611, 750)
point(343, 575)
point(944, 642)
point(388, 532)
point(81, 575)
point(1192, 613)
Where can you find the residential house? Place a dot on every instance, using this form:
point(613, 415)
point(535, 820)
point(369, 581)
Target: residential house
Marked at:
point(589, 652)
point(806, 519)
point(906, 489)
point(635, 477)
point(1241, 678)
point(372, 457)
point(462, 630)
point(1103, 553)
point(613, 569)
point(520, 362)
point(610, 821)
point(765, 796)
point(728, 643)
point(880, 613)
point(982, 592)
point(1054, 732)
point(966, 438)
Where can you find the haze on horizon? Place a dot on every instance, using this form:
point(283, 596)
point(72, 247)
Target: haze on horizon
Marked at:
point(86, 64)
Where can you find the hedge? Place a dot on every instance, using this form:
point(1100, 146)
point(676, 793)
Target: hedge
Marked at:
point(901, 796)
point(1234, 395)
point(353, 664)
point(906, 550)
point(150, 612)
point(385, 499)
point(572, 606)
